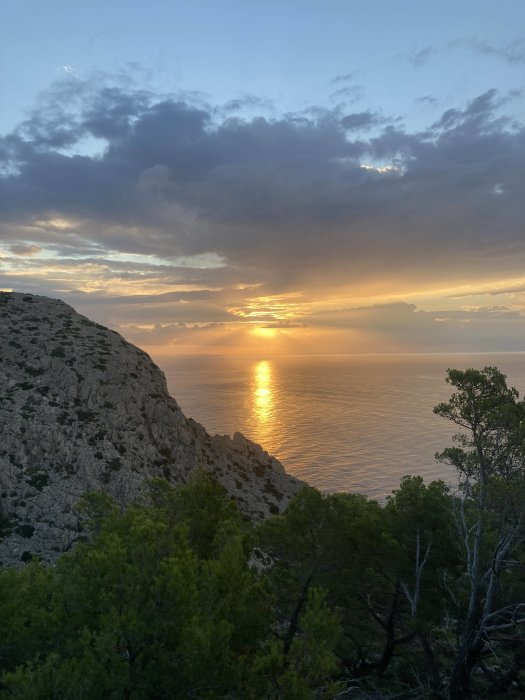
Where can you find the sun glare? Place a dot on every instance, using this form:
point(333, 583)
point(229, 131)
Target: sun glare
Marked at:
point(265, 332)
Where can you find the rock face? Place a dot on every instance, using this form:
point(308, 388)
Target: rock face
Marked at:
point(83, 410)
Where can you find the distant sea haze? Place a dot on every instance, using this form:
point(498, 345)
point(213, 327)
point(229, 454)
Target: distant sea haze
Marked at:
point(341, 423)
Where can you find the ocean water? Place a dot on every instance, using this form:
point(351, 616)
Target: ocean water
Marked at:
point(342, 423)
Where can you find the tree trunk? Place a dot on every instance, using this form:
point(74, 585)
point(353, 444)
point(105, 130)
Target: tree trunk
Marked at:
point(459, 687)
point(294, 620)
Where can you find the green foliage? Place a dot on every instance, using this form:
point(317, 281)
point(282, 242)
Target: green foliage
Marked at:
point(489, 521)
point(494, 422)
point(164, 600)
point(422, 512)
point(146, 608)
point(312, 654)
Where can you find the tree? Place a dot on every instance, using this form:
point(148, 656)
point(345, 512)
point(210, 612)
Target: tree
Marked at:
point(489, 519)
point(419, 522)
point(356, 552)
point(159, 603)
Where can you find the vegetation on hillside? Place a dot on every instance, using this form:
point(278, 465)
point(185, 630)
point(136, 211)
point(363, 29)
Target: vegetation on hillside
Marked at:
point(339, 597)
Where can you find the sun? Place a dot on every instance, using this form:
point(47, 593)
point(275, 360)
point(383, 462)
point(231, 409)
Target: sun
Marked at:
point(263, 332)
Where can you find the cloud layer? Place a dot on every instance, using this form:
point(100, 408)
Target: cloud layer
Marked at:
point(123, 200)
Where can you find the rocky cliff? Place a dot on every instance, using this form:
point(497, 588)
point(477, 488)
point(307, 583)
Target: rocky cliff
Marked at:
point(83, 410)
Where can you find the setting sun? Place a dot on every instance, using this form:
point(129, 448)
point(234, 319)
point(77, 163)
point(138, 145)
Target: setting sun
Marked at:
point(265, 332)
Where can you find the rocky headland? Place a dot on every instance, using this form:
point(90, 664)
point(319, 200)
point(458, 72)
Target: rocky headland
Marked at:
point(83, 410)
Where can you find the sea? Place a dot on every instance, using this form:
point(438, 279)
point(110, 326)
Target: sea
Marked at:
point(354, 423)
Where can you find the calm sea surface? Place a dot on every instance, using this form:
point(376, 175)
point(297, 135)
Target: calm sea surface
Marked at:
point(342, 423)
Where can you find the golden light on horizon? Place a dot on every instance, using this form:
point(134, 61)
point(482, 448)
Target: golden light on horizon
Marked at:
point(263, 391)
point(281, 307)
point(263, 332)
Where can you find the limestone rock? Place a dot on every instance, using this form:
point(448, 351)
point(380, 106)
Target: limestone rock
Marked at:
point(83, 410)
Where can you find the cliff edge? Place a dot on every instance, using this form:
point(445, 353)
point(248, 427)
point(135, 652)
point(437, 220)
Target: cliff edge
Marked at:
point(83, 410)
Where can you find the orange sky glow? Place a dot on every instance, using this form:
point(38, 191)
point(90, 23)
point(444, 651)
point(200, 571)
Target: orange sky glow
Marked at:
point(193, 226)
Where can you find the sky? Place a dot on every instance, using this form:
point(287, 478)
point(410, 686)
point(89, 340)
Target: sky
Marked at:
point(269, 177)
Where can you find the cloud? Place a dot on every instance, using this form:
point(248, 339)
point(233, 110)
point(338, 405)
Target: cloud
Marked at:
point(348, 94)
point(248, 101)
point(427, 99)
point(513, 52)
point(492, 291)
point(361, 121)
point(404, 327)
point(188, 184)
point(343, 78)
point(418, 57)
point(25, 250)
point(315, 203)
point(479, 112)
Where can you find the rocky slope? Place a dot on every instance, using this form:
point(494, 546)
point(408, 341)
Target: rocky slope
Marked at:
point(83, 410)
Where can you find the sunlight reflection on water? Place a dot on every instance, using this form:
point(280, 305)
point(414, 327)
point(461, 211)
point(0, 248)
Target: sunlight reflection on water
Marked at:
point(262, 392)
point(342, 423)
